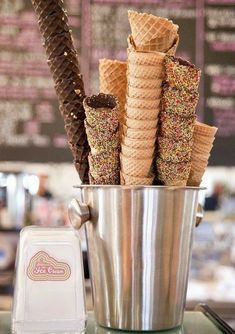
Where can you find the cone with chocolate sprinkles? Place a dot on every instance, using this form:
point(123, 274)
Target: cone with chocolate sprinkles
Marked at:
point(177, 118)
point(102, 114)
point(64, 67)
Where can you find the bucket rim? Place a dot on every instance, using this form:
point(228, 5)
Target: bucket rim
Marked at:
point(136, 187)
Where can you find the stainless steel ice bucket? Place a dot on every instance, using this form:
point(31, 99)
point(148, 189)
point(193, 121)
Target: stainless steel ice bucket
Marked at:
point(139, 244)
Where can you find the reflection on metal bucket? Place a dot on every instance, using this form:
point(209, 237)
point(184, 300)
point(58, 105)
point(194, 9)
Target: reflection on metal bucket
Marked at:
point(139, 243)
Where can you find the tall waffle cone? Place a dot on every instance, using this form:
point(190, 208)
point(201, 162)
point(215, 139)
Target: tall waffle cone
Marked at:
point(135, 167)
point(50, 26)
point(137, 153)
point(142, 114)
point(141, 124)
point(58, 44)
point(146, 28)
point(142, 104)
point(146, 83)
point(153, 48)
point(82, 169)
point(161, 44)
point(65, 67)
point(132, 180)
point(113, 80)
point(79, 153)
point(144, 93)
point(138, 143)
point(146, 58)
point(72, 111)
point(146, 71)
point(48, 7)
point(76, 133)
point(69, 91)
point(139, 134)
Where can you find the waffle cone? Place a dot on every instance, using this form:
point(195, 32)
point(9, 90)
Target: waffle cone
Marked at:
point(68, 90)
point(72, 111)
point(138, 143)
point(143, 104)
point(195, 177)
point(146, 71)
point(204, 129)
point(63, 63)
point(142, 114)
point(147, 27)
point(58, 44)
point(173, 48)
point(76, 134)
point(137, 153)
point(135, 167)
point(113, 80)
point(201, 148)
point(146, 83)
point(146, 58)
point(141, 124)
point(50, 25)
point(132, 180)
point(47, 7)
point(82, 169)
point(139, 134)
point(203, 140)
point(64, 67)
point(161, 44)
point(144, 93)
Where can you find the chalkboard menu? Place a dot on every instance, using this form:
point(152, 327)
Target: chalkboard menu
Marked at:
point(33, 128)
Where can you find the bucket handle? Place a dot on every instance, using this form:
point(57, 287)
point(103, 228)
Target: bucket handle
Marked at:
point(199, 215)
point(79, 213)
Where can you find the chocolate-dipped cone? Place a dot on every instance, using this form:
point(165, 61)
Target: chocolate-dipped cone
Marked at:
point(102, 111)
point(64, 66)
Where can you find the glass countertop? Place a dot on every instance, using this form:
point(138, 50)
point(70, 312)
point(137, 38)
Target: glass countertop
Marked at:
point(194, 323)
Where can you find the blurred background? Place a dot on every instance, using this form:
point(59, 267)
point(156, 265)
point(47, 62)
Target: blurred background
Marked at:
point(36, 171)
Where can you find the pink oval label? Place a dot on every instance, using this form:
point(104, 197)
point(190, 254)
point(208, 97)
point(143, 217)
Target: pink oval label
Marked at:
point(43, 267)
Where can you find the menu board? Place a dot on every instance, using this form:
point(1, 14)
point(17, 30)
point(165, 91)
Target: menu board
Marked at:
point(32, 128)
